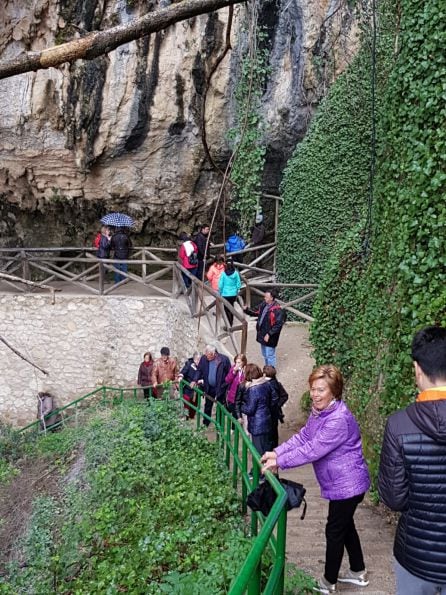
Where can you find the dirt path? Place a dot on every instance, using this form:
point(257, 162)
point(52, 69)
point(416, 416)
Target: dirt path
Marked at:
point(306, 539)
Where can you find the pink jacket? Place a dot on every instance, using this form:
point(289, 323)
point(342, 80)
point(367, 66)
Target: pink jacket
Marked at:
point(214, 274)
point(332, 443)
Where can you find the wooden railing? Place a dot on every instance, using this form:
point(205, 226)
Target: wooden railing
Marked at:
point(154, 270)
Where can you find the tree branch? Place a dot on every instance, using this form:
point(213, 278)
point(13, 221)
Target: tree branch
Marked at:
point(22, 356)
point(101, 42)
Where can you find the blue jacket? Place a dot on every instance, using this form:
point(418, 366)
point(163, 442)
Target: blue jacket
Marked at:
point(229, 284)
point(235, 243)
point(261, 400)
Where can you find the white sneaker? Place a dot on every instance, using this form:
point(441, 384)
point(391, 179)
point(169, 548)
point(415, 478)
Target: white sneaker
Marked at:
point(355, 578)
point(323, 586)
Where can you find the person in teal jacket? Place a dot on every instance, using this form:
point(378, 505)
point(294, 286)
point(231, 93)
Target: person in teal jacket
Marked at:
point(228, 286)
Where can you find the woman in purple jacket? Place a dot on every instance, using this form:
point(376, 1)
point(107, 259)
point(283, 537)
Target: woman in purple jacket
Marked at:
point(331, 441)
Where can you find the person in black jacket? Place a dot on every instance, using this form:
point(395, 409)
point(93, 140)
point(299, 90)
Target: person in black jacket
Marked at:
point(270, 320)
point(211, 373)
point(412, 472)
point(120, 245)
point(204, 245)
point(260, 400)
point(277, 412)
point(187, 373)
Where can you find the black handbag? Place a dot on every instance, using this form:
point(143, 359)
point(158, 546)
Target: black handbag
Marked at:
point(262, 498)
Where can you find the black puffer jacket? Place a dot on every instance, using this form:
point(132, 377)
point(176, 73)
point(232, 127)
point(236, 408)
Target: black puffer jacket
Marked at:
point(260, 400)
point(412, 479)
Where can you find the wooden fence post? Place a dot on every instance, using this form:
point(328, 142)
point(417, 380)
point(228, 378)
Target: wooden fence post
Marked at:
point(25, 266)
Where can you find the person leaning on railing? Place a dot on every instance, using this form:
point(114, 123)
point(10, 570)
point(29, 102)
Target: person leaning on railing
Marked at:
point(331, 441)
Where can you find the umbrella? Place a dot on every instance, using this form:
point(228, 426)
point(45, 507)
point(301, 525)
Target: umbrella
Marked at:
point(117, 220)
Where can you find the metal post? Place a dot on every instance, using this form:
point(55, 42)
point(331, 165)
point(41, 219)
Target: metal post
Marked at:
point(244, 472)
point(228, 418)
point(234, 465)
point(254, 583)
point(281, 548)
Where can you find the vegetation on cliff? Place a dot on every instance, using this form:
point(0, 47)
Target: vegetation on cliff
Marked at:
point(383, 267)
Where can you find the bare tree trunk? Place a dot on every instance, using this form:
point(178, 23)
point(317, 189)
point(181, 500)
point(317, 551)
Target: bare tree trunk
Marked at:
point(101, 42)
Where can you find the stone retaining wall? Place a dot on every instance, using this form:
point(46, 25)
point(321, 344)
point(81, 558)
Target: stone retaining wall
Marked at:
point(83, 342)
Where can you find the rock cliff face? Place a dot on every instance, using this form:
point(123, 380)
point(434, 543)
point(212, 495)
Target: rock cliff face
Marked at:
point(124, 131)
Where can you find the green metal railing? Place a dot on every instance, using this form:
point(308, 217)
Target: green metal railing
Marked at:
point(236, 448)
point(103, 396)
point(238, 454)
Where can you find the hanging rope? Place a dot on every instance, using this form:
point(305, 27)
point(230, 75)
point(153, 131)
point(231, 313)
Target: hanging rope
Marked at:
point(372, 169)
point(252, 49)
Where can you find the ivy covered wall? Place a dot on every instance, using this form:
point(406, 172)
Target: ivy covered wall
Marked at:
point(380, 283)
point(326, 182)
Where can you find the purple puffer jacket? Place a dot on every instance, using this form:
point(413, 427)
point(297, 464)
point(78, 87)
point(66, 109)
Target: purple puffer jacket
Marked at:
point(332, 442)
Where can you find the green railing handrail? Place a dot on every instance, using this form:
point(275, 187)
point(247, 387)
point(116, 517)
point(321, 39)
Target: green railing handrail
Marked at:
point(249, 577)
point(102, 390)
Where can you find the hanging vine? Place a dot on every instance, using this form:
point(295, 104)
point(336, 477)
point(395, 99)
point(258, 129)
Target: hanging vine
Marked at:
point(248, 134)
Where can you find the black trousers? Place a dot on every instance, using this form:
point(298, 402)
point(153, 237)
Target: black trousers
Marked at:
point(231, 299)
point(262, 442)
point(208, 404)
point(340, 532)
point(275, 434)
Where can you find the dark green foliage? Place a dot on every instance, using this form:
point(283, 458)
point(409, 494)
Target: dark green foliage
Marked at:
point(248, 135)
point(325, 182)
point(150, 506)
point(368, 308)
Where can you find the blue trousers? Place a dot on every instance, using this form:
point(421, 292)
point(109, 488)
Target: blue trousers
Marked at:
point(409, 584)
point(122, 266)
point(269, 355)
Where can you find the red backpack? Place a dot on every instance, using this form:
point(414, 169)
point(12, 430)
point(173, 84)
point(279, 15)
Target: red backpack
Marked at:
point(97, 240)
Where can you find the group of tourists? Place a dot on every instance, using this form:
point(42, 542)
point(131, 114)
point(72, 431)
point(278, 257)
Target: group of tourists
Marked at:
point(253, 396)
point(116, 241)
point(412, 472)
point(194, 253)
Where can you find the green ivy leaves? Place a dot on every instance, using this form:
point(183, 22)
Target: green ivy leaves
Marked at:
point(367, 310)
point(248, 135)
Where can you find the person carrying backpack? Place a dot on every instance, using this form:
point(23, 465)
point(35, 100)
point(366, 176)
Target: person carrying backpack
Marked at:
point(188, 256)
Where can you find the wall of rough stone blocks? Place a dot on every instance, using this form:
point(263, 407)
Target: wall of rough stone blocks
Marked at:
point(83, 342)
